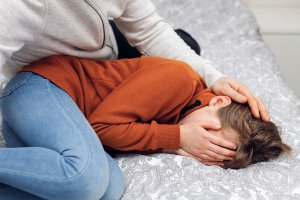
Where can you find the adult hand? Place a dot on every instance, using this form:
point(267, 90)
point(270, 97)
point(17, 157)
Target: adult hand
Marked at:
point(240, 93)
point(206, 147)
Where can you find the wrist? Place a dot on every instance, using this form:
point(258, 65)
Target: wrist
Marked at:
point(182, 135)
point(171, 151)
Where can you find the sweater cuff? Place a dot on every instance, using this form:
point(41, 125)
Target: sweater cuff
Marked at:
point(210, 73)
point(168, 136)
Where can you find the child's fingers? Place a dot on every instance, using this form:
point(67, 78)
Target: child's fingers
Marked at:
point(205, 159)
point(201, 157)
point(209, 125)
point(222, 146)
point(223, 153)
point(220, 164)
point(217, 156)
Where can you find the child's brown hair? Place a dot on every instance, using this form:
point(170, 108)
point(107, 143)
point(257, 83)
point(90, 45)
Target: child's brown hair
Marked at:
point(258, 141)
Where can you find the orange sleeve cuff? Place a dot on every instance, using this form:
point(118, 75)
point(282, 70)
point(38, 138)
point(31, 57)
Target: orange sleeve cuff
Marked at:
point(168, 136)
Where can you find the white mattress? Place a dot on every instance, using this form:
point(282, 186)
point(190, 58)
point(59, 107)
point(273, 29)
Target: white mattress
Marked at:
point(228, 35)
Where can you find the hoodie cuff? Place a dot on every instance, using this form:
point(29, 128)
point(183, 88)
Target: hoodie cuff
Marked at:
point(168, 136)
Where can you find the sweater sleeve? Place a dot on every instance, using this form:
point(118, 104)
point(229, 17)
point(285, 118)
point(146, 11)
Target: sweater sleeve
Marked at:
point(20, 23)
point(127, 119)
point(145, 30)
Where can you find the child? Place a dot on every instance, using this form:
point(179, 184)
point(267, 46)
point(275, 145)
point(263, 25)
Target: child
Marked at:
point(152, 104)
point(53, 108)
point(257, 141)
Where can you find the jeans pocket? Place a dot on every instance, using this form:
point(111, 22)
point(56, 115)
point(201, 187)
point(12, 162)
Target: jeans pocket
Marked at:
point(17, 81)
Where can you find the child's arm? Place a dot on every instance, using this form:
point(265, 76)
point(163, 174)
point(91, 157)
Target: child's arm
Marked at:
point(127, 119)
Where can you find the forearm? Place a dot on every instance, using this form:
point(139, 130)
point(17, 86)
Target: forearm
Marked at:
point(153, 37)
point(166, 43)
point(164, 46)
point(138, 136)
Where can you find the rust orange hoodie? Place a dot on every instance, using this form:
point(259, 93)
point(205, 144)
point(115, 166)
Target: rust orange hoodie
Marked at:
point(132, 104)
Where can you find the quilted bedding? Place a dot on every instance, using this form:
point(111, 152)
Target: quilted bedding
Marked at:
point(229, 36)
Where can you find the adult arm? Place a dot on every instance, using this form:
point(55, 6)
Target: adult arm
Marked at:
point(145, 30)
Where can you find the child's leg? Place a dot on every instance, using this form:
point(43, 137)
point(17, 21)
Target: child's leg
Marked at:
point(10, 137)
point(10, 193)
point(63, 158)
point(13, 140)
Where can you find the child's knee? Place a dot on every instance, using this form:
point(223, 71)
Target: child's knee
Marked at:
point(89, 184)
point(117, 184)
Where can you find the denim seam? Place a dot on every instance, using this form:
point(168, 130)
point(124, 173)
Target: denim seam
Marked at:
point(55, 179)
point(7, 93)
point(88, 157)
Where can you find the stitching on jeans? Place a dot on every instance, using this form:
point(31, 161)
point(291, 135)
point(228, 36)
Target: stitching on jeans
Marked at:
point(16, 86)
point(76, 125)
point(56, 179)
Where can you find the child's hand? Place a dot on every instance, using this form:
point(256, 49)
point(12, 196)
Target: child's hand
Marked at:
point(198, 142)
point(182, 152)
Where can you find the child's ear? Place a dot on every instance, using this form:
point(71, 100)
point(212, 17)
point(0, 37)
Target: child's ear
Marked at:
point(220, 101)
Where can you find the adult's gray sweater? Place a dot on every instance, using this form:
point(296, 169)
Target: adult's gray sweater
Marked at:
point(34, 29)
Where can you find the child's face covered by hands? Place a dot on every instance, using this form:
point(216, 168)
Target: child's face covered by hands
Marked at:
point(217, 142)
point(208, 114)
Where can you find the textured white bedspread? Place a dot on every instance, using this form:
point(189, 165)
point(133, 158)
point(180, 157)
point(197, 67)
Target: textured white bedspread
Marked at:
point(228, 35)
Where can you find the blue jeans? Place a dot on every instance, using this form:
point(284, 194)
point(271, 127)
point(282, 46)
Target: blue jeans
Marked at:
point(53, 152)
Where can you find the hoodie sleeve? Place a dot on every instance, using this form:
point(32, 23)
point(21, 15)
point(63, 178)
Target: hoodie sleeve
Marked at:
point(146, 30)
point(127, 119)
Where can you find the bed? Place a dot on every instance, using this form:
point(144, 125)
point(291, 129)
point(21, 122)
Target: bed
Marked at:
point(229, 36)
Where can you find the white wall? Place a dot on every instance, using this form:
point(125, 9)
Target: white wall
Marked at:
point(279, 22)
